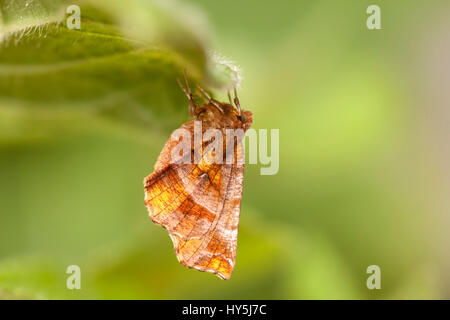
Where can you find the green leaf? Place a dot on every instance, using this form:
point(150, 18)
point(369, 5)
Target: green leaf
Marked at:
point(21, 15)
point(120, 65)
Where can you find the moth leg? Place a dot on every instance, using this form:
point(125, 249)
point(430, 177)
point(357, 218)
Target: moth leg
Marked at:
point(188, 93)
point(229, 97)
point(210, 100)
point(236, 101)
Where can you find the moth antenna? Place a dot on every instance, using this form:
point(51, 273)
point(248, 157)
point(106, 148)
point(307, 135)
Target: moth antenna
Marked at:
point(204, 93)
point(236, 101)
point(210, 100)
point(183, 88)
point(204, 99)
point(187, 82)
point(229, 97)
point(188, 93)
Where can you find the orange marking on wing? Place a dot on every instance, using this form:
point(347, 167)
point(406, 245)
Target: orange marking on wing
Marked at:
point(199, 204)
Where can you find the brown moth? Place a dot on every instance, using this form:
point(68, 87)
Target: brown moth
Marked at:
point(198, 202)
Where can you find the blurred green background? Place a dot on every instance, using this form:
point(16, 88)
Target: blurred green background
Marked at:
point(364, 129)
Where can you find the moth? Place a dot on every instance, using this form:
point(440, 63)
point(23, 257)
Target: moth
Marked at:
point(198, 202)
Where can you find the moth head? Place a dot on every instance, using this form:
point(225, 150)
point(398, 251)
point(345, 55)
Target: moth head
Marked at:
point(246, 119)
point(239, 118)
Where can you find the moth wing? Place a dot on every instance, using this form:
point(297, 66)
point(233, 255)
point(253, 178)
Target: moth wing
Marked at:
point(199, 205)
